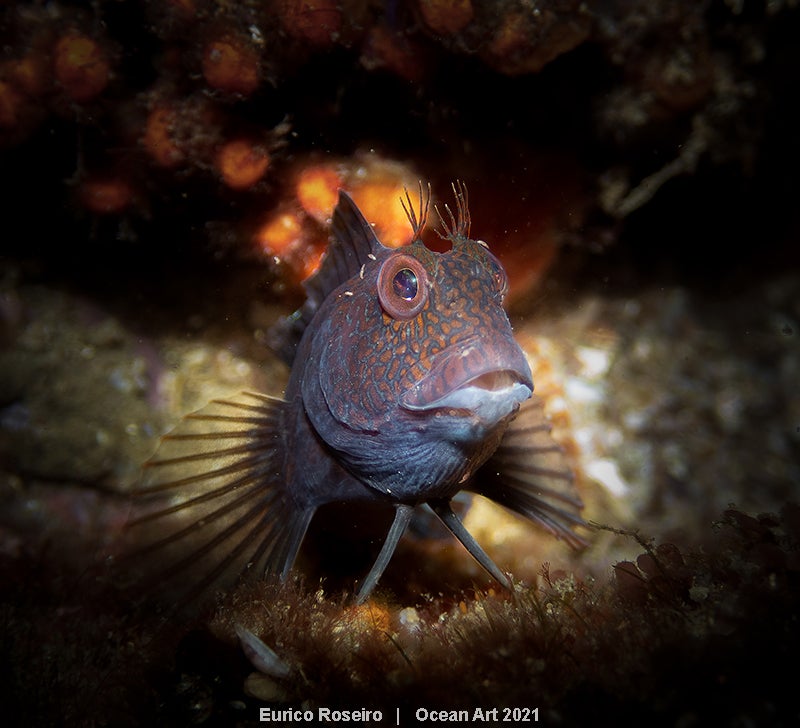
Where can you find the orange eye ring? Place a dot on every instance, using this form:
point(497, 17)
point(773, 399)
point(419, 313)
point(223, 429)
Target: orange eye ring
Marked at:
point(402, 286)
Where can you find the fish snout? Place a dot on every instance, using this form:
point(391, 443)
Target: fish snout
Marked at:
point(487, 382)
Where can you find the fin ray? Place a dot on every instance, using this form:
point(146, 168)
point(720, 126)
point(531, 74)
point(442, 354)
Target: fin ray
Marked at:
point(352, 242)
point(212, 507)
point(402, 518)
point(529, 474)
point(453, 523)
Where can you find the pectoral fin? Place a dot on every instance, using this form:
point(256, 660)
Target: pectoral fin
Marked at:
point(212, 506)
point(529, 474)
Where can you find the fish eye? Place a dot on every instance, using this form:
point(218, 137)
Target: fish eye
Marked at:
point(402, 286)
point(405, 284)
point(499, 276)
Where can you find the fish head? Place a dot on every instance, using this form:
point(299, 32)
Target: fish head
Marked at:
point(415, 353)
point(469, 372)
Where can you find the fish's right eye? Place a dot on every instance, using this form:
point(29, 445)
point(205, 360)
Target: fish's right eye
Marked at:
point(405, 284)
point(402, 286)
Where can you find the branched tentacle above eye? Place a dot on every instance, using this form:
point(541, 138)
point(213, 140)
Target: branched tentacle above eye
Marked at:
point(458, 226)
point(418, 224)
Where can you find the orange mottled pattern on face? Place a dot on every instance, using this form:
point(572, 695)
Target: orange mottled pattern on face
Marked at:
point(384, 356)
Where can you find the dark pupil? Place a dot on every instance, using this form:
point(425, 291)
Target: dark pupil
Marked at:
point(405, 284)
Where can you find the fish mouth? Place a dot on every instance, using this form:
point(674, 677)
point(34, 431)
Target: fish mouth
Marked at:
point(468, 382)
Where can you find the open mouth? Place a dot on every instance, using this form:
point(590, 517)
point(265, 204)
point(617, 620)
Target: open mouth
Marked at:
point(488, 381)
point(489, 396)
point(495, 381)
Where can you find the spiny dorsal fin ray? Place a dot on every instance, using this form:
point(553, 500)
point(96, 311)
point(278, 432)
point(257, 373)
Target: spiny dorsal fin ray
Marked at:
point(352, 243)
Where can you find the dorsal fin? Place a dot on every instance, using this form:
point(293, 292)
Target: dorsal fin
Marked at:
point(352, 242)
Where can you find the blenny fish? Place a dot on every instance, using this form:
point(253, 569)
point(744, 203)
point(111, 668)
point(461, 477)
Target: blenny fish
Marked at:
point(406, 387)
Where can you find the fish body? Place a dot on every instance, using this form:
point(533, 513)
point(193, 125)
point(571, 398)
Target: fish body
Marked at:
point(405, 388)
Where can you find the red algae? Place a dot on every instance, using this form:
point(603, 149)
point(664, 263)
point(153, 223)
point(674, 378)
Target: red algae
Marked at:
point(10, 104)
point(380, 201)
point(317, 22)
point(526, 42)
point(280, 234)
point(386, 48)
point(106, 195)
point(230, 65)
point(158, 138)
point(296, 233)
point(446, 16)
point(242, 163)
point(317, 188)
point(169, 61)
point(626, 640)
point(81, 66)
point(29, 74)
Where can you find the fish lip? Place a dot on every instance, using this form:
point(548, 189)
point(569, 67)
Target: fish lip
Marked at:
point(470, 381)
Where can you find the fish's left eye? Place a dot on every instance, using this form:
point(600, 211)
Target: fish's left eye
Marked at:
point(499, 276)
point(402, 286)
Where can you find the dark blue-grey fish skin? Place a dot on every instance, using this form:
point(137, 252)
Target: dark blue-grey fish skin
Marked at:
point(406, 387)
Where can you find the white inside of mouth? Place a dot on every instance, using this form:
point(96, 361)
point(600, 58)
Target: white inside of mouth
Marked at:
point(490, 396)
point(494, 381)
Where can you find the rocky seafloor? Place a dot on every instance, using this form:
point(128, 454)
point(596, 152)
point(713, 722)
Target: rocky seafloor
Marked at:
point(632, 164)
